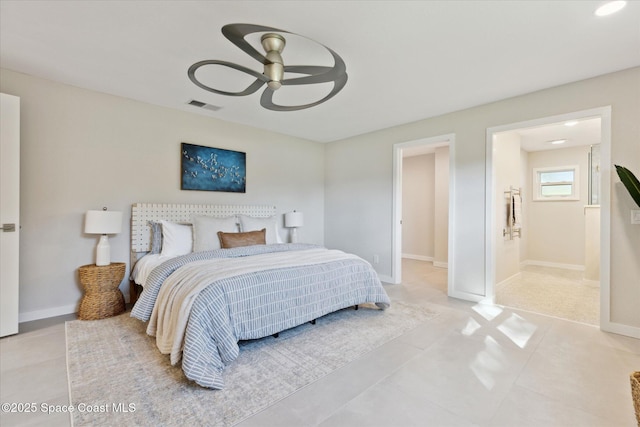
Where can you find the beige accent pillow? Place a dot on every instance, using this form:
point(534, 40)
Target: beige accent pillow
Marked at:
point(248, 223)
point(205, 229)
point(236, 240)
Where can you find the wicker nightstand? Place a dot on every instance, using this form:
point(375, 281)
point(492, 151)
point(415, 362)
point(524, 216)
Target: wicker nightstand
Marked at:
point(102, 297)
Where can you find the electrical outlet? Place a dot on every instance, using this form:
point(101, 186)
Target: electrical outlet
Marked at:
point(635, 216)
point(376, 259)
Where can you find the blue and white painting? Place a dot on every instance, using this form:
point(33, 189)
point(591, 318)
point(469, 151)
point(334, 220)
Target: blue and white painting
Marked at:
point(213, 169)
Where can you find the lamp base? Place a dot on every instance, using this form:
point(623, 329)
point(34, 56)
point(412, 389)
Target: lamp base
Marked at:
point(103, 251)
point(294, 235)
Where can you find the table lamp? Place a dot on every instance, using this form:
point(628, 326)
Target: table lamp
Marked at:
point(103, 222)
point(293, 220)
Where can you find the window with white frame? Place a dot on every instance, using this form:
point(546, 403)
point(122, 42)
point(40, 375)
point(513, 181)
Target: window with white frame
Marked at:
point(556, 183)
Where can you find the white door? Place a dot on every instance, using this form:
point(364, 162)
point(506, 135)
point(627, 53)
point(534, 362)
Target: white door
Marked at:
point(9, 212)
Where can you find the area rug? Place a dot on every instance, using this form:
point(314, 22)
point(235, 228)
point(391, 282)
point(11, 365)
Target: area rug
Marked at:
point(118, 377)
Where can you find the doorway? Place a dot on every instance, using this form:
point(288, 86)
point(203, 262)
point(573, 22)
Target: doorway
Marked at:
point(439, 147)
point(529, 266)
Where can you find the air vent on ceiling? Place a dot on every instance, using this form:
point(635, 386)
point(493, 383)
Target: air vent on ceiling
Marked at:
point(204, 105)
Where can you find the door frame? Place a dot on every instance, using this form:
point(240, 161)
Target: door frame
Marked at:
point(396, 248)
point(604, 113)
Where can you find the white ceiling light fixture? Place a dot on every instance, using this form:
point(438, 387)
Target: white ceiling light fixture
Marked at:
point(610, 8)
point(273, 43)
point(558, 141)
point(571, 123)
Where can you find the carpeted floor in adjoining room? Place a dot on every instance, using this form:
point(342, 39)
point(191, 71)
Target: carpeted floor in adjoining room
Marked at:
point(554, 292)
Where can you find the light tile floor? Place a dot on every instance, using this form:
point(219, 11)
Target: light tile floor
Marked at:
point(33, 370)
point(472, 365)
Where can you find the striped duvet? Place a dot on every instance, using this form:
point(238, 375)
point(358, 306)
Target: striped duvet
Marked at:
point(247, 302)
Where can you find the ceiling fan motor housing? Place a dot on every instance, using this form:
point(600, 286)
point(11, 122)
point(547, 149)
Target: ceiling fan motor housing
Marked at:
point(273, 44)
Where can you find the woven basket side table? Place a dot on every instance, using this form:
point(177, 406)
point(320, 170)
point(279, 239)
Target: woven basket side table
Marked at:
point(102, 296)
point(635, 393)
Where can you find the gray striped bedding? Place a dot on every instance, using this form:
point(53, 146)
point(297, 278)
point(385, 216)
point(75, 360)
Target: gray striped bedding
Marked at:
point(258, 304)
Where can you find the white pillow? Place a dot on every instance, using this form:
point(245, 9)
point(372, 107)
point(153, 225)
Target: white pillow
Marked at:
point(205, 231)
point(249, 223)
point(177, 239)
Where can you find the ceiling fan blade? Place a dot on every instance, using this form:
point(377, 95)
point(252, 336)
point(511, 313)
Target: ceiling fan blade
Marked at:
point(317, 73)
point(266, 100)
point(306, 69)
point(252, 88)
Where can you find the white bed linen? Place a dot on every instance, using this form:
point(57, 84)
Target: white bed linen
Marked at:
point(145, 265)
point(171, 312)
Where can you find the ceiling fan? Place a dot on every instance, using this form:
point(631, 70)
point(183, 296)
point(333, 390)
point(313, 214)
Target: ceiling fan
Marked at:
point(273, 75)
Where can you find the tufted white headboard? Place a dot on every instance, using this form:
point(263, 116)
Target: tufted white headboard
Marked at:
point(142, 213)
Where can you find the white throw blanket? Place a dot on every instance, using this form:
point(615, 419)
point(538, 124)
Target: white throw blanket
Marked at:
point(168, 322)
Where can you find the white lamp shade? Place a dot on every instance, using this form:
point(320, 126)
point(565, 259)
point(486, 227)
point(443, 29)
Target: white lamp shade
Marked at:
point(103, 222)
point(293, 219)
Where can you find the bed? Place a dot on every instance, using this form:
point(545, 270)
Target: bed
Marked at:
point(200, 300)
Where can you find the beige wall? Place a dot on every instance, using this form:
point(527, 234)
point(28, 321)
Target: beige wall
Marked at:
point(363, 224)
point(83, 150)
point(418, 200)
point(557, 227)
point(425, 207)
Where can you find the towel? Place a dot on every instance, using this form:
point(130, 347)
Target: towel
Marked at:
point(516, 211)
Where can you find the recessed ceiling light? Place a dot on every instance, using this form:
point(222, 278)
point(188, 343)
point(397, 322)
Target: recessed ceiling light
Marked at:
point(571, 123)
point(610, 7)
point(558, 141)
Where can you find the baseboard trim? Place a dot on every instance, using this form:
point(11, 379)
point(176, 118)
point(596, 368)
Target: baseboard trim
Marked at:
point(509, 279)
point(386, 279)
point(620, 329)
point(575, 267)
point(467, 296)
point(439, 264)
point(28, 316)
point(417, 257)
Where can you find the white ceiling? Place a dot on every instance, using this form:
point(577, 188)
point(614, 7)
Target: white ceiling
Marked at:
point(584, 132)
point(581, 132)
point(406, 60)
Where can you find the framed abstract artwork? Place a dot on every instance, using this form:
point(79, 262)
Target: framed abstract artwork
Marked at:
point(213, 169)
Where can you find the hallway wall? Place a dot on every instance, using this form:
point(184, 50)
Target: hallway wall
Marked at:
point(418, 200)
point(425, 207)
